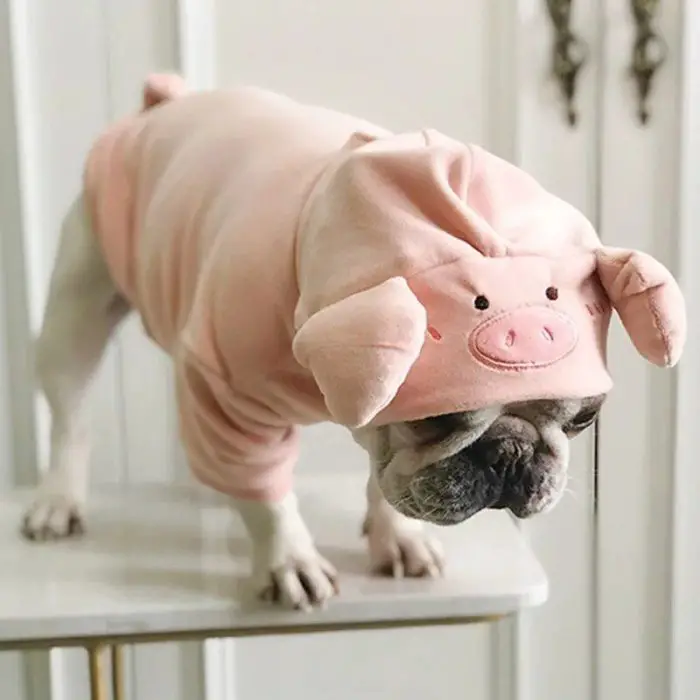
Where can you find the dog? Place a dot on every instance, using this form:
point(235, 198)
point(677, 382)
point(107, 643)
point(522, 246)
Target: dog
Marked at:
point(449, 450)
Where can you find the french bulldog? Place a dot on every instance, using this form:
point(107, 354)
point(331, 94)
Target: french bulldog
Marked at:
point(300, 265)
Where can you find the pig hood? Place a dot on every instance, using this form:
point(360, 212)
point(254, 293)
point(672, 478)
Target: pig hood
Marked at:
point(435, 277)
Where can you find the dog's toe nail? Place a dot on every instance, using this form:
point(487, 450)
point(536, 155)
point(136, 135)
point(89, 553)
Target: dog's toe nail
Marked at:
point(52, 518)
point(302, 604)
point(75, 525)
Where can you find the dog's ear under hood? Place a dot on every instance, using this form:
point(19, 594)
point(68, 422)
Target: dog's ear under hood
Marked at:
point(435, 277)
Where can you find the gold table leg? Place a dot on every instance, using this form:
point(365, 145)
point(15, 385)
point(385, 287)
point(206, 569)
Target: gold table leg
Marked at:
point(117, 671)
point(96, 658)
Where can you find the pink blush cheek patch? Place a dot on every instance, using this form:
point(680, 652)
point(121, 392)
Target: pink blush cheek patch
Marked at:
point(528, 337)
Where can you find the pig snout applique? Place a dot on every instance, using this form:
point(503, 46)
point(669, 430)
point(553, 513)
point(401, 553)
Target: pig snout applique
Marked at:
point(468, 285)
point(528, 337)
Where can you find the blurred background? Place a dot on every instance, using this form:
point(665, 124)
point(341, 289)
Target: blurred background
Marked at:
point(623, 622)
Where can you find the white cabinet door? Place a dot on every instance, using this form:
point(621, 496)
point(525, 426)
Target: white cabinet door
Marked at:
point(66, 70)
point(479, 71)
point(555, 643)
point(684, 604)
point(407, 64)
point(638, 450)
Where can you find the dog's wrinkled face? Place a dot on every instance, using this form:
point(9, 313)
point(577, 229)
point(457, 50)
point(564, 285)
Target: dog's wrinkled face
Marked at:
point(447, 468)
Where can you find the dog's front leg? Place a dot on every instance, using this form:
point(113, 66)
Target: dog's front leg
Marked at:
point(287, 567)
point(398, 546)
point(252, 462)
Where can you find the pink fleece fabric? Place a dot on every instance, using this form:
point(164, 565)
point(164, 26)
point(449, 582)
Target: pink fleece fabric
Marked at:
point(302, 265)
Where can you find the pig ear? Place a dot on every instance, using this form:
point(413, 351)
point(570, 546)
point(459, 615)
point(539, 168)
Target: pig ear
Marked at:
point(361, 349)
point(648, 300)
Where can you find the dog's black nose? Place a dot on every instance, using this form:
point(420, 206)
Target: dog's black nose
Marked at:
point(521, 487)
point(511, 459)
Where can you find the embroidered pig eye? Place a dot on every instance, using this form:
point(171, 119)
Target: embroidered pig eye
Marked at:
point(552, 293)
point(481, 303)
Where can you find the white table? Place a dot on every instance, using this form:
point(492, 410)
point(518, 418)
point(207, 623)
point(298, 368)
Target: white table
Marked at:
point(165, 564)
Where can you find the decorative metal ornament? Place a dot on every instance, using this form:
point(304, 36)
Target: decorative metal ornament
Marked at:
point(648, 54)
point(569, 54)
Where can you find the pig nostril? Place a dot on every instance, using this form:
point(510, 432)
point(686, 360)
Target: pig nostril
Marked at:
point(510, 338)
point(547, 333)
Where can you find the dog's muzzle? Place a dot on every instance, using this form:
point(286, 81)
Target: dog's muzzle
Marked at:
point(496, 472)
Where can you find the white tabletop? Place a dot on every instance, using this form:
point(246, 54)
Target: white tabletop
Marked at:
point(159, 560)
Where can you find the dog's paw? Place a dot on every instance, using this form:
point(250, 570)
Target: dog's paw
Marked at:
point(400, 548)
point(53, 517)
point(301, 583)
point(287, 568)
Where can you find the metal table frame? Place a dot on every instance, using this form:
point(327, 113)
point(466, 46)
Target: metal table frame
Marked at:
point(105, 655)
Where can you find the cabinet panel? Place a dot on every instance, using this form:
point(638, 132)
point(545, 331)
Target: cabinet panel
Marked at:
point(556, 641)
point(638, 210)
point(685, 565)
point(478, 71)
point(406, 65)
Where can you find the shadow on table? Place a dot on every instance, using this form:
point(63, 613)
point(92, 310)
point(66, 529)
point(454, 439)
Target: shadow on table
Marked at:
point(187, 559)
point(187, 582)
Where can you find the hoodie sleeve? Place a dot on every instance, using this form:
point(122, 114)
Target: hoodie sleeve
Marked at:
point(228, 449)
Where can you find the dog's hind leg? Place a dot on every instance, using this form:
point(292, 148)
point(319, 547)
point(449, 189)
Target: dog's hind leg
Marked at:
point(82, 310)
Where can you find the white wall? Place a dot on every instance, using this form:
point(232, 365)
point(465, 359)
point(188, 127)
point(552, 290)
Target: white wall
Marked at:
point(477, 70)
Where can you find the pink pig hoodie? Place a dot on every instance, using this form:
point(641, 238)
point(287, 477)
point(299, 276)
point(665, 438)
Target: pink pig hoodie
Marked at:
point(301, 265)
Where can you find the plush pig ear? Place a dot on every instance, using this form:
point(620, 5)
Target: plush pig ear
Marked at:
point(361, 349)
point(648, 300)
